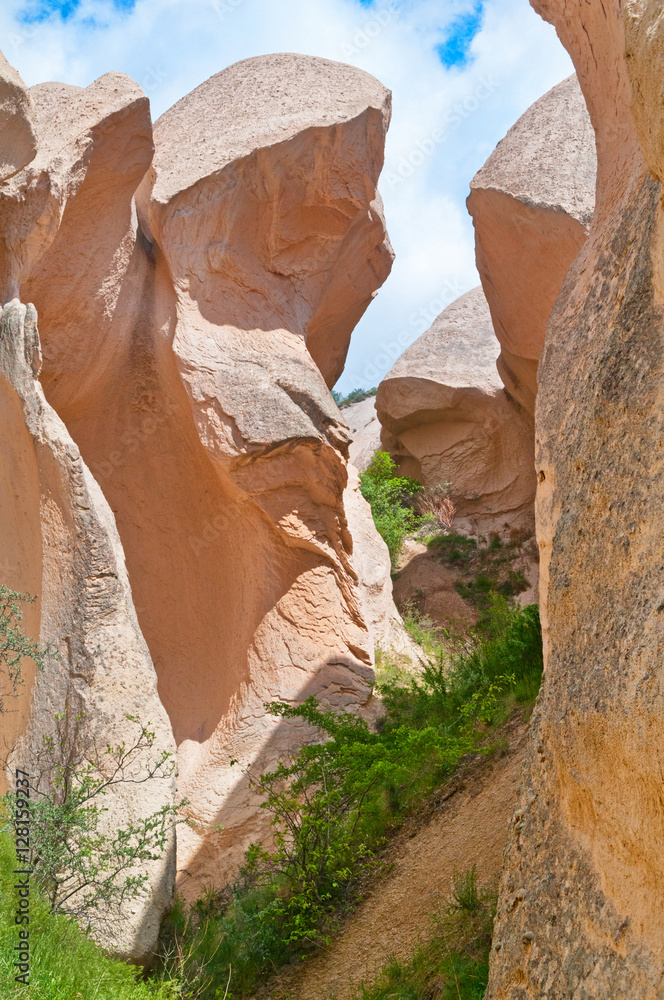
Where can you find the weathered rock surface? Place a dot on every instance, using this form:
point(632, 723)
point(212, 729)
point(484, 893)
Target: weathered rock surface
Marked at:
point(58, 539)
point(581, 905)
point(364, 427)
point(447, 419)
point(532, 204)
point(284, 152)
point(185, 357)
point(17, 137)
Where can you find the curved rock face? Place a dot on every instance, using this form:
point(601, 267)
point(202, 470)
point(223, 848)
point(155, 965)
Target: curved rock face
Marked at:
point(185, 357)
point(582, 896)
point(447, 419)
point(58, 539)
point(289, 230)
point(532, 204)
point(17, 136)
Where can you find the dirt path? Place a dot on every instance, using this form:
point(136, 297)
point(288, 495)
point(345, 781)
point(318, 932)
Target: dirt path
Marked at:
point(467, 829)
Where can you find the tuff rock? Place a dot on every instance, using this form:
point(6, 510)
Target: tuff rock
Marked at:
point(532, 204)
point(446, 418)
point(187, 355)
point(582, 895)
point(58, 540)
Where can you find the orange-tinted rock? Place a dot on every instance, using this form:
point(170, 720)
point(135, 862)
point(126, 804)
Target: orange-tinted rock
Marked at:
point(582, 896)
point(178, 355)
point(58, 540)
point(447, 419)
point(283, 152)
point(532, 203)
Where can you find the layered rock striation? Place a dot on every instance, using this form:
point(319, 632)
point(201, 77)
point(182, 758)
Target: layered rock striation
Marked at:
point(532, 204)
point(58, 540)
point(189, 355)
point(582, 895)
point(446, 418)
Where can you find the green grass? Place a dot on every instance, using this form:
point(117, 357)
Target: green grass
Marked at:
point(454, 964)
point(355, 396)
point(65, 964)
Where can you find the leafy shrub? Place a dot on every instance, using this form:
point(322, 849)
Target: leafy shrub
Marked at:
point(331, 806)
point(501, 661)
point(391, 499)
point(82, 871)
point(14, 644)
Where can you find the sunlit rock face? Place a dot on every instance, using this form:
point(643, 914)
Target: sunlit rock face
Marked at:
point(447, 418)
point(532, 204)
point(189, 355)
point(58, 540)
point(582, 896)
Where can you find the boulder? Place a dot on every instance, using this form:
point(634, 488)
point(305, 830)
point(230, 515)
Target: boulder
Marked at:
point(58, 540)
point(581, 904)
point(446, 418)
point(532, 204)
point(188, 358)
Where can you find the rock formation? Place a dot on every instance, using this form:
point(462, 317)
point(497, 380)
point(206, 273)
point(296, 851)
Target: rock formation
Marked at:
point(17, 136)
point(58, 539)
point(532, 203)
point(365, 431)
point(447, 419)
point(188, 356)
point(582, 895)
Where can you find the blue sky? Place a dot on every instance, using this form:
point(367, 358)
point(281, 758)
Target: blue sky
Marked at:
point(460, 70)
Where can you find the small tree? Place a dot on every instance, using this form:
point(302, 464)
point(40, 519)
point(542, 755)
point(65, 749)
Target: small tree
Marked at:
point(14, 644)
point(82, 870)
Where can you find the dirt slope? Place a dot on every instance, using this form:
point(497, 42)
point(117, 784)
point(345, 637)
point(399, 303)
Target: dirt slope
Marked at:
point(467, 828)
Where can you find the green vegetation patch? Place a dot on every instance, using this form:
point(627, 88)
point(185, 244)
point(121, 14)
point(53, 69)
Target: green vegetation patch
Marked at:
point(392, 501)
point(64, 962)
point(454, 965)
point(355, 396)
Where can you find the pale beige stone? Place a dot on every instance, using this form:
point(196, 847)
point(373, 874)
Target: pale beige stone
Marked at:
point(447, 419)
point(58, 540)
point(532, 204)
point(17, 136)
point(364, 429)
point(178, 353)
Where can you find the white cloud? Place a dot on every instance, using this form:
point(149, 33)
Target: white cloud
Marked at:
point(170, 46)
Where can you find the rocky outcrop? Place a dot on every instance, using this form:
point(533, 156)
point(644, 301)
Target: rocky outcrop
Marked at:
point(364, 428)
point(58, 539)
point(582, 895)
point(532, 203)
point(188, 357)
point(447, 419)
point(17, 136)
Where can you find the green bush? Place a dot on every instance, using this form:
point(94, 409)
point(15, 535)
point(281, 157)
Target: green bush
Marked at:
point(64, 962)
point(499, 664)
point(391, 500)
